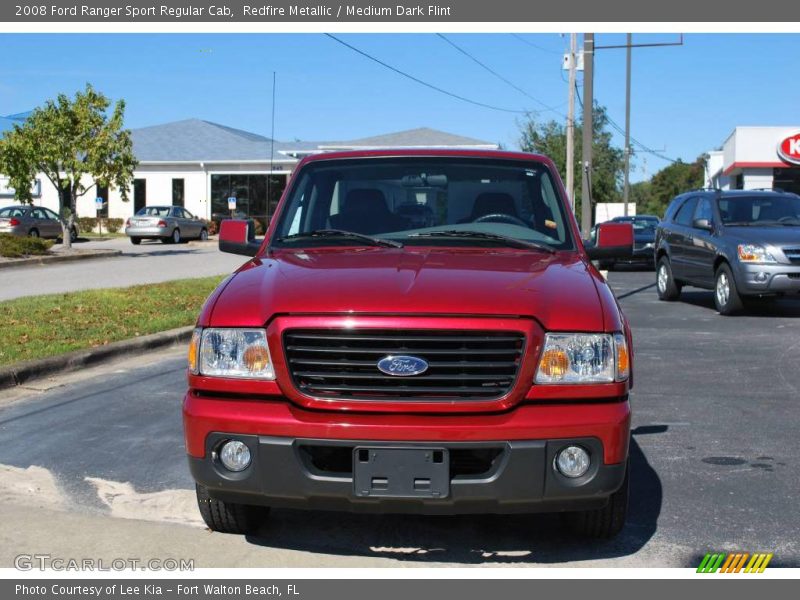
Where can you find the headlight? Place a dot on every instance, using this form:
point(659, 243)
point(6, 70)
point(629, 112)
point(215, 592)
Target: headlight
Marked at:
point(753, 253)
point(583, 358)
point(231, 353)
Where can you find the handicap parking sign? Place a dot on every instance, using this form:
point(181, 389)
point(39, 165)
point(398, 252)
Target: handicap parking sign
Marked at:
point(232, 203)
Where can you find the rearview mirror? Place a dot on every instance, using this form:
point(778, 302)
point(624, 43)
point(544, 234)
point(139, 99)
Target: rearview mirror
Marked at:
point(237, 236)
point(614, 241)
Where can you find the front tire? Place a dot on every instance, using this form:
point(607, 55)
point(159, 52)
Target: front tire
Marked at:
point(668, 289)
point(606, 522)
point(726, 295)
point(229, 517)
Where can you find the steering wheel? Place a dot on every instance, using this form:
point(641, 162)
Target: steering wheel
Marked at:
point(501, 218)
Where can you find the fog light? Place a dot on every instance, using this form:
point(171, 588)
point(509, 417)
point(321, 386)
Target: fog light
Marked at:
point(235, 456)
point(572, 461)
point(761, 277)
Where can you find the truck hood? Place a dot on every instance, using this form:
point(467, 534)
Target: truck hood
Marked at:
point(556, 289)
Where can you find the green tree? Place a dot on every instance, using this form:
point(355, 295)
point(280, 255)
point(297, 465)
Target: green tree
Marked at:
point(550, 138)
point(652, 197)
point(70, 141)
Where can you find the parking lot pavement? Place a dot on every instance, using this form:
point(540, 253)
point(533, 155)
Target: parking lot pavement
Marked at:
point(714, 465)
point(150, 262)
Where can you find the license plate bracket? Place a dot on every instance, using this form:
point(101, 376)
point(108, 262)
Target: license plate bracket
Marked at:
point(401, 472)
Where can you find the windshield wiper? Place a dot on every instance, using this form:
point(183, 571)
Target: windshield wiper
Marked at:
point(340, 233)
point(509, 241)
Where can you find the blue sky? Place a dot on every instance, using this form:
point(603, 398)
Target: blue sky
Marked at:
point(685, 99)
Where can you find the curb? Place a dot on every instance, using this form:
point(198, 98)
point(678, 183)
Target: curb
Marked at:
point(19, 373)
point(46, 260)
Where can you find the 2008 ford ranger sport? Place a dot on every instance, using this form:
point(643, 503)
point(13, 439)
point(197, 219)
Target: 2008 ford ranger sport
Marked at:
point(419, 331)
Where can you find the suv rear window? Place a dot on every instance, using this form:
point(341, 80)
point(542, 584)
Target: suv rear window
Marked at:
point(396, 198)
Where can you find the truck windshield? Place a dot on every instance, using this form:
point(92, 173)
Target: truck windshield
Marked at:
point(757, 211)
point(430, 201)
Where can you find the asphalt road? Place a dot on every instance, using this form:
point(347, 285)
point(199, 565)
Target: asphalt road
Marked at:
point(714, 465)
point(150, 262)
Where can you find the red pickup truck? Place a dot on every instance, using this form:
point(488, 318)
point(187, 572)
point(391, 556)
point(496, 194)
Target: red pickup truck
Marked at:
point(420, 331)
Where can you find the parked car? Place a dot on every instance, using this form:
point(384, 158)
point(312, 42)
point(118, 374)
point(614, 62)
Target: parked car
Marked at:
point(644, 237)
point(170, 224)
point(419, 331)
point(34, 221)
point(741, 244)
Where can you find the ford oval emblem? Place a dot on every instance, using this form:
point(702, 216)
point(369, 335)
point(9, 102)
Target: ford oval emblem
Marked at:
point(402, 366)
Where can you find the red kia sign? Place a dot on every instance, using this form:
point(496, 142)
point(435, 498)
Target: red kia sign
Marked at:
point(789, 149)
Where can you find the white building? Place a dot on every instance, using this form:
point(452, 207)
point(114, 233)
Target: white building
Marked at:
point(199, 165)
point(757, 157)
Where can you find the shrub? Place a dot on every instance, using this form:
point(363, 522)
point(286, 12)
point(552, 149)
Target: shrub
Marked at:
point(212, 226)
point(113, 225)
point(12, 246)
point(87, 224)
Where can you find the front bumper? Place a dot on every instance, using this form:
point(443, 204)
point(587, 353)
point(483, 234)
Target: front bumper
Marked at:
point(767, 279)
point(286, 442)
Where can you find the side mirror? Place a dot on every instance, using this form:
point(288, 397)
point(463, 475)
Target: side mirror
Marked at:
point(614, 241)
point(237, 236)
point(703, 224)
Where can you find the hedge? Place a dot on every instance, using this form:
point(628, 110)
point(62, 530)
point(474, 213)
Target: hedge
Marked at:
point(13, 246)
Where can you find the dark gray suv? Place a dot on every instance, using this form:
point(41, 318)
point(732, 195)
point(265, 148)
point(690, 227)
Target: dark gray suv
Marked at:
point(742, 244)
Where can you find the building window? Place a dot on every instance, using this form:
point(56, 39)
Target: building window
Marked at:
point(177, 192)
point(787, 179)
point(139, 194)
point(256, 195)
point(101, 191)
point(738, 182)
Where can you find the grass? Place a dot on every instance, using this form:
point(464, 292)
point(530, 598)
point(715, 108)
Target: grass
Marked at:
point(42, 326)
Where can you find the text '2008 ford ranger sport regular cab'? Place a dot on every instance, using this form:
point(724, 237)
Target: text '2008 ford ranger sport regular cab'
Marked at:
point(420, 331)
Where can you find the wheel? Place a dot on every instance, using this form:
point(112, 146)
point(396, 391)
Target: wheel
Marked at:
point(726, 296)
point(604, 522)
point(73, 235)
point(204, 235)
point(136, 241)
point(669, 290)
point(33, 233)
point(176, 236)
point(229, 517)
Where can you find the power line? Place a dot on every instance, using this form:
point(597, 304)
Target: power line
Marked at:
point(636, 142)
point(499, 76)
point(425, 83)
point(532, 45)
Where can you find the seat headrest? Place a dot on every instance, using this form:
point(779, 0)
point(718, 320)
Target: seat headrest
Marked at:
point(365, 199)
point(493, 202)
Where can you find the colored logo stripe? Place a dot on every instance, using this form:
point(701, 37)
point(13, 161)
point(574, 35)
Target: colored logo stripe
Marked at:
point(734, 562)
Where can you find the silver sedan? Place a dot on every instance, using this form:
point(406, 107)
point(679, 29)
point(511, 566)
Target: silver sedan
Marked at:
point(170, 224)
point(34, 221)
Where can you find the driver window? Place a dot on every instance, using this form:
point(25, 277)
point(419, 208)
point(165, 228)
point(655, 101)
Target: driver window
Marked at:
point(704, 210)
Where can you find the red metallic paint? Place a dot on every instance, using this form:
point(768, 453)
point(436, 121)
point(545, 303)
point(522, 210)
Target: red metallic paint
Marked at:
point(425, 287)
point(609, 422)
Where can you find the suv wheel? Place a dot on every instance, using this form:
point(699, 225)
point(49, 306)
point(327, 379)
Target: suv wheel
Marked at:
point(604, 522)
point(605, 265)
point(726, 296)
point(669, 290)
point(73, 235)
point(229, 517)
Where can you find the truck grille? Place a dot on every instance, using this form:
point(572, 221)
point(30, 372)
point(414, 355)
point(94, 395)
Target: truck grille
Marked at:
point(462, 364)
point(793, 254)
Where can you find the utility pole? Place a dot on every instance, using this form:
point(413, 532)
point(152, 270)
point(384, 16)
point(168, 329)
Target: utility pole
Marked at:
point(588, 133)
point(573, 59)
point(627, 185)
